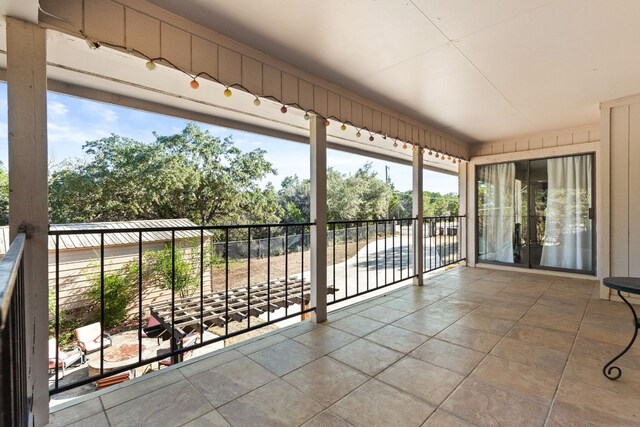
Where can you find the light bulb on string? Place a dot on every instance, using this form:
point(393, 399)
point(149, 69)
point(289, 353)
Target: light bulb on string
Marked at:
point(343, 127)
point(449, 157)
point(151, 65)
point(404, 146)
point(384, 136)
point(437, 154)
point(358, 134)
point(307, 116)
point(430, 153)
point(256, 102)
point(395, 143)
point(414, 148)
point(194, 84)
point(227, 93)
point(371, 138)
point(326, 123)
point(283, 109)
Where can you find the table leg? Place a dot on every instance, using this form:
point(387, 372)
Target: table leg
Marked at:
point(614, 372)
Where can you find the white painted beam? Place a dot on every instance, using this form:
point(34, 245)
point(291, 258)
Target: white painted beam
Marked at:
point(27, 105)
point(418, 213)
point(318, 213)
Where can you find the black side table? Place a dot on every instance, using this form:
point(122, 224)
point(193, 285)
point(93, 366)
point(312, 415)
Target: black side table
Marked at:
point(632, 286)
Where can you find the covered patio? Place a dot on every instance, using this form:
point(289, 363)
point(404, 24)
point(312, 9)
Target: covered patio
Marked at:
point(473, 347)
point(504, 95)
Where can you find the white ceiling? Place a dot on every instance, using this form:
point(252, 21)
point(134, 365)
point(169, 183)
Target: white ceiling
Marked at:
point(480, 69)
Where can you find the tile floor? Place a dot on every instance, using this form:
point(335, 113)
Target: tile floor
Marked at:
point(472, 347)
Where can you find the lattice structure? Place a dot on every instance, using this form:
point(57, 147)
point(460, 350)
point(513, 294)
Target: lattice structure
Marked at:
point(218, 308)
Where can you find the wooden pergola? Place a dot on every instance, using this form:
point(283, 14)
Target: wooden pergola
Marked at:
point(236, 305)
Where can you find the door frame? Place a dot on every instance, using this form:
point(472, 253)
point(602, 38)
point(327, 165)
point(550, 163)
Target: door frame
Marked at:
point(592, 148)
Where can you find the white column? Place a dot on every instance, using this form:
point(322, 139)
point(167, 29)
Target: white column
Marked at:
point(318, 213)
point(27, 101)
point(462, 209)
point(418, 212)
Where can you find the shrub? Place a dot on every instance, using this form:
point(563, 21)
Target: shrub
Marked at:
point(119, 289)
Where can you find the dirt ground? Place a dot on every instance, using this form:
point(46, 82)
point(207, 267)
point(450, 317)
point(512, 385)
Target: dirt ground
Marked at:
point(293, 264)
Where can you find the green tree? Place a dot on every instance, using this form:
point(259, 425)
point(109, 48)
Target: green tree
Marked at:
point(191, 174)
point(4, 195)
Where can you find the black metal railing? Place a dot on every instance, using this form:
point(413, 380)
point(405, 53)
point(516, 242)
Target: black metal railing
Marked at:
point(369, 255)
point(442, 241)
point(175, 283)
point(14, 406)
point(193, 286)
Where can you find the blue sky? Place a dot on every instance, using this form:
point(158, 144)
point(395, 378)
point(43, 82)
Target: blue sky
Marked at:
point(72, 121)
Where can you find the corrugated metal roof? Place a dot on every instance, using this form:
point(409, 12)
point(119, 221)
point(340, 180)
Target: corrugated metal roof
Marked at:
point(77, 241)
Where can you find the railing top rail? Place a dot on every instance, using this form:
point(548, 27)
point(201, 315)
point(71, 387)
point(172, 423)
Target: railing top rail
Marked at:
point(354, 221)
point(445, 216)
point(9, 266)
point(63, 232)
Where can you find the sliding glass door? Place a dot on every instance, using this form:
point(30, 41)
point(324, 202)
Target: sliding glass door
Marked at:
point(537, 213)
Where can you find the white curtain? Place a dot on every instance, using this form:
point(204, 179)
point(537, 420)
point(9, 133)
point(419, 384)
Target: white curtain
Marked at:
point(568, 229)
point(497, 212)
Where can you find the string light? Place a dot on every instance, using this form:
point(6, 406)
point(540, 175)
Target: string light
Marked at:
point(449, 157)
point(151, 64)
point(404, 146)
point(414, 148)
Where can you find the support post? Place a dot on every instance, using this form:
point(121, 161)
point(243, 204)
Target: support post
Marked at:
point(418, 213)
point(462, 210)
point(318, 214)
point(27, 122)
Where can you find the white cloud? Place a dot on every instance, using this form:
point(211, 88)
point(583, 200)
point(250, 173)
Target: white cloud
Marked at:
point(57, 108)
point(100, 112)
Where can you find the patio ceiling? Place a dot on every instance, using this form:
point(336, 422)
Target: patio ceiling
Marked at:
point(110, 76)
point(478, 70)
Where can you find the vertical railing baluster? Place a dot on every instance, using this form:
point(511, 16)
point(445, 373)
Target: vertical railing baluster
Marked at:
point(376, 233)
point(139, 296)
point(249, 277)
point(385, 252)
point(268, 274)
point(101, 303)
point(346, 257)
point(401, 250)
point(202, 280)
point(357, 258)
point(286, 270)
point(393, 250)
point(334, 261)
point(302, 271)
point(367, 252)
point(226, 281)
point(57, 307)
point(173, 295)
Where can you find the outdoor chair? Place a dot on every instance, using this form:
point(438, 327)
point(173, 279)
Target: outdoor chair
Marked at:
point(89, 338)
point(187, 341)
point(64, 359)
point(155, 330)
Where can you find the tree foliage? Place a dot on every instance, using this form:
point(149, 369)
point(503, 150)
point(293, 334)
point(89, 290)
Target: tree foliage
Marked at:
point(4, 195)
point(191, 174)
point(194, 175)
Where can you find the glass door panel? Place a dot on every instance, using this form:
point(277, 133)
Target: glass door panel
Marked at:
point(537, 213)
